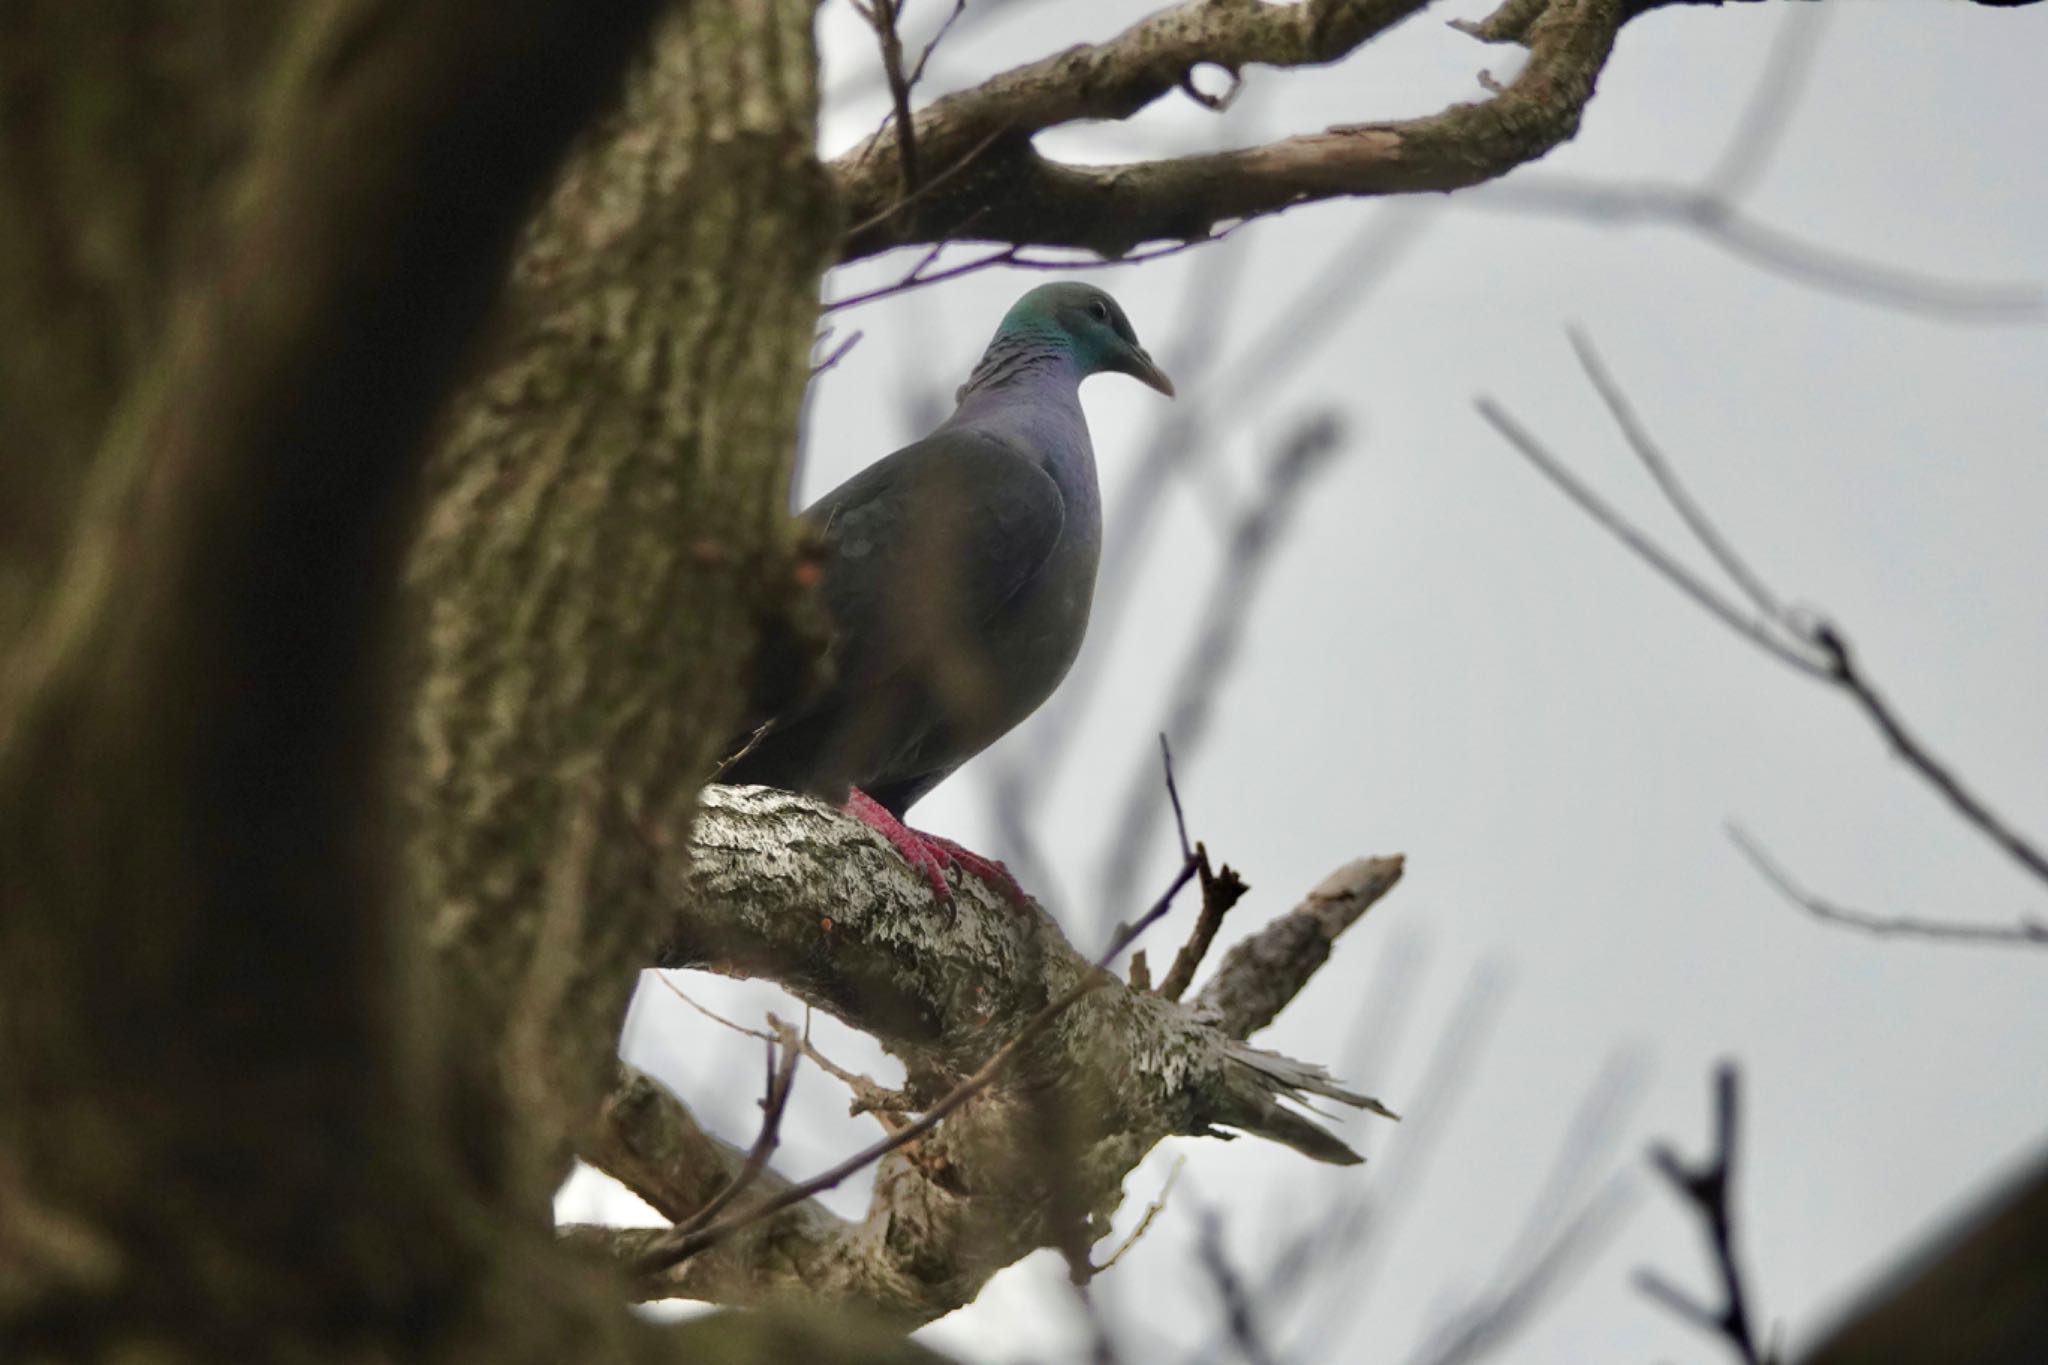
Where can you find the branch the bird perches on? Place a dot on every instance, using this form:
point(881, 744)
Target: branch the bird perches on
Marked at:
point(789, 889)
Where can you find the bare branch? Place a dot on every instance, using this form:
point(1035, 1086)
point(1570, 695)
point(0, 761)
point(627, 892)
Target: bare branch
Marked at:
point(1708, 1189)
point(1152, 1211)
point(781, 1076)
point(1768, 112)
point(882, 15)
point(1755, 629)
point(1220, 891)
point(786, 888)
point(921, 274)
point(648, 1141)
point(1638, 436)
point(1180, 819)
point(2027, 931)
point(1849, 676)
point(945, 27)
point(1801, 640)
point(1016, 195)
point(1720, 221)
point(832, 357)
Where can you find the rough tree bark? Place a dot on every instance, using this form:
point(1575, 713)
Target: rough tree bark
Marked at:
point(606, 528)
point(213, 1135)
point(786, 889)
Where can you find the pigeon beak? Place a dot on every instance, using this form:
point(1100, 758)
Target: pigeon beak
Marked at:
point(1140, 367)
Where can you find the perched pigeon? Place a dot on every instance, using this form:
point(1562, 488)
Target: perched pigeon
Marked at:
point(958, 574)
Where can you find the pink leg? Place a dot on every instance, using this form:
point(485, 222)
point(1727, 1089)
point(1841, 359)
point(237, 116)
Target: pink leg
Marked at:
point(931, 855)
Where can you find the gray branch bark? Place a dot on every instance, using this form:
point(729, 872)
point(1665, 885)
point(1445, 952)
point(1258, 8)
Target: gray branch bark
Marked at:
point(788, 889)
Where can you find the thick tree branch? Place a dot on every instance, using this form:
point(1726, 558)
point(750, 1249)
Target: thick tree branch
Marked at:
point(999, 187)
point(787, 888)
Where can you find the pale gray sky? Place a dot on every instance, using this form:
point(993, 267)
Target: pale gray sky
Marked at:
point(1448, 661)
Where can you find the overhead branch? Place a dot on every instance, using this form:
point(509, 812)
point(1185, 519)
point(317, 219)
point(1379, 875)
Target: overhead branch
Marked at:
point(789, 889)
point(997, 187)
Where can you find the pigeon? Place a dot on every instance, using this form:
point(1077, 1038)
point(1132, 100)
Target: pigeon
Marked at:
point(957, 574)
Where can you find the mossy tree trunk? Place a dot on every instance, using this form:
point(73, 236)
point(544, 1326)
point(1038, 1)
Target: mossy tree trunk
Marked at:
point(245, 258)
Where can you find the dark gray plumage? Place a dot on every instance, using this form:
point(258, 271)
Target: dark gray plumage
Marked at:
point(958, 571)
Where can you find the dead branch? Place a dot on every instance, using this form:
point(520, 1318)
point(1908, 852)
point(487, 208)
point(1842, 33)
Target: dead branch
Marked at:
point(787, 888)
point(1220, 891)
point(1014, 194)
point(698, 1233)
point(1262, 973)
point(1802, 640)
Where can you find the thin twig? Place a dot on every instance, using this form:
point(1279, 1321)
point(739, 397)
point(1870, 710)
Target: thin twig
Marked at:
point(1849, 676)
point(945, 27)
point(1220, 891)
point(1660, 468)
point(926, 186)
point(709, 1013)
point(1768, 112)
point(1180, 819)
point(2032, 932)
point(760, 733)
point(1803, 641)
point(679, 1246)
point(1015, 256)
point(882, 15)
point(781, 1079)
point(1721, 222)
point(870, 1095)
point(837, 354)
point(1708, 1188)
point(1751, 628)
point(1152, 1211)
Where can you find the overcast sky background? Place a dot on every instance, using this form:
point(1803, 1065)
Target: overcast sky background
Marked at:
point(1448, 661)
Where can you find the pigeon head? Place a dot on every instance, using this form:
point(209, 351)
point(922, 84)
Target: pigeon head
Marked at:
point(1083, 324)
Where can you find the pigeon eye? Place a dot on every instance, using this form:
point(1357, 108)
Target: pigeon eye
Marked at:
point(1099, 310)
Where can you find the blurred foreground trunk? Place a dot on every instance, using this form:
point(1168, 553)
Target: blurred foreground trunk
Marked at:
point(245, 255)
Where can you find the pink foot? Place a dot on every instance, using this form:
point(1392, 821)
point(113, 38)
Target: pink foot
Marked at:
point(931, 855)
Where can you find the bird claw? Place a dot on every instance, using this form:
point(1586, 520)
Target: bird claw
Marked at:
point(930, 855)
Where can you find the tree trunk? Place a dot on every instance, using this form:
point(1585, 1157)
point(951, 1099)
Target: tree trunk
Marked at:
point(606, 528)
point(239, 270)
